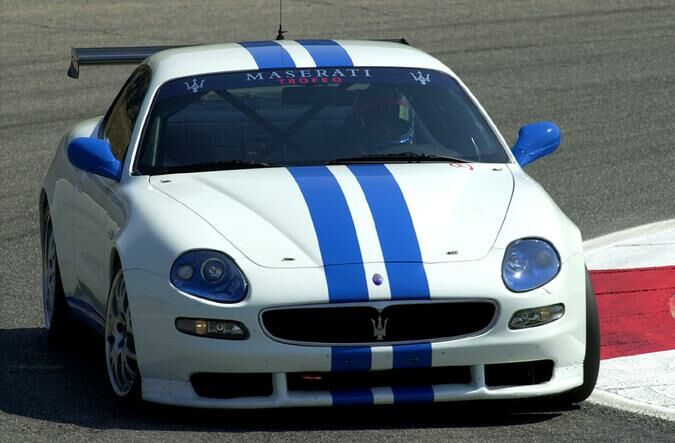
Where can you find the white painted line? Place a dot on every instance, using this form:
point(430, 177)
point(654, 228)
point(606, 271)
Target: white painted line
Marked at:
point(646, 378)
point(618, 402)
point(641, 247)
point(639, 231)
point(642, 384)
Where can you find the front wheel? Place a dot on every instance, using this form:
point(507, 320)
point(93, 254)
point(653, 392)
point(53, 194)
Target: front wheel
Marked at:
point(120, 347)
point(592, 356)
point(53, 298)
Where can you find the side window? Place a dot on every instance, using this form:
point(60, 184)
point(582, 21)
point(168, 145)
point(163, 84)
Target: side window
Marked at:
point(122, 116)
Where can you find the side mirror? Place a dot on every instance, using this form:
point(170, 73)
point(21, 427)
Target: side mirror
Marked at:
point(536, 140)
point(94, 155)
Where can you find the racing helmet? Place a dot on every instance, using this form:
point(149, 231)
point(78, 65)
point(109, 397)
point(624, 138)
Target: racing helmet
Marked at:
point(383, 117)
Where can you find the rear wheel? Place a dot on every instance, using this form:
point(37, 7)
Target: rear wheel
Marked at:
point(592, 356)
point(120, 346)
point(53, 298)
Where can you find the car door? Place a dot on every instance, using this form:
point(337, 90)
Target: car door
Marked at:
point(95, 199)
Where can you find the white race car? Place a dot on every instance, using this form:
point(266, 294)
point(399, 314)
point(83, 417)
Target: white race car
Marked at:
point(312, 223)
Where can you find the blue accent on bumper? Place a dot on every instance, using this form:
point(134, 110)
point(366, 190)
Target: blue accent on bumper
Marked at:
point(269, 55)
point(327, 53)
point(350, 358)
point(395, 231)
point(412, 356)
point(417, 394)
point(335, 232)
point(352, 397)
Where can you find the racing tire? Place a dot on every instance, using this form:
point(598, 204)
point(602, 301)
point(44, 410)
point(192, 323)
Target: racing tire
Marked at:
point(592, 355)
point(120, 346)
point(53, 297)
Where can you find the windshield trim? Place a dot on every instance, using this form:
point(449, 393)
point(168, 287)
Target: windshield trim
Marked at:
point(134, 169)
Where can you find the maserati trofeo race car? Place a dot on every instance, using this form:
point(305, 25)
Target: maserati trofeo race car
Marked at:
point(312, 223)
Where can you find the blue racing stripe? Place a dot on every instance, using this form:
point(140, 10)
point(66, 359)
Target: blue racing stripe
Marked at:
point(335, 231)
point(350, 358)
point(395, 230)
point(269, 55)
point(352, 397)
point(327, 53)
point(412, 356)
point(417, 394)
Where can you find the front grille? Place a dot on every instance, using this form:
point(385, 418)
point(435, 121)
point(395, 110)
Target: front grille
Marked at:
point(336, 381)
point(215, 385)
point(365, 324)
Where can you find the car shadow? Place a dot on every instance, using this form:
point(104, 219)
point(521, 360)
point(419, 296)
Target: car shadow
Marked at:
point(69, 385)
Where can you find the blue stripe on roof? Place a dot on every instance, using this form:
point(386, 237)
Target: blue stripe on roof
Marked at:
point(350, 358)
point(327, 53)
point(395, 230)
point(269, 55)
point(352, 397)
point(335, 231)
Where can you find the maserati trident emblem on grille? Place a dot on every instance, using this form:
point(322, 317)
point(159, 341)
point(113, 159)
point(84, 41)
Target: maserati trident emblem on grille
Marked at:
point(379, 328)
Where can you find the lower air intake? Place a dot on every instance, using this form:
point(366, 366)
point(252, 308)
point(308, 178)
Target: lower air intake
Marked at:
point(232, 385)
point(519, 374)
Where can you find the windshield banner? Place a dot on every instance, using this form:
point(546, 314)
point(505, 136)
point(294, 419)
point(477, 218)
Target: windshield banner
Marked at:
point(304, 77)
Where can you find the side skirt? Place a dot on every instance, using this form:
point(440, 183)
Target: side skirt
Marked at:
point(83, 312)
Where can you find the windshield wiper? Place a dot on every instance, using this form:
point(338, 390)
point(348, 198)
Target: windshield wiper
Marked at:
point(409, 157)
point(223, 165)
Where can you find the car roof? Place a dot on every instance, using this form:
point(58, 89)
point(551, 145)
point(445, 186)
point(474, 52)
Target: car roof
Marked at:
point(288, 54)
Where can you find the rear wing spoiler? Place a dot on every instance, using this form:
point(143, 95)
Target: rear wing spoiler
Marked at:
point(134, 55)
point(111, 56)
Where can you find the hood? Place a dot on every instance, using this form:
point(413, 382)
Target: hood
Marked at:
point(323, 215)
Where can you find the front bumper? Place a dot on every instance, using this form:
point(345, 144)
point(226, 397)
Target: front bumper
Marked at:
point(168, 358)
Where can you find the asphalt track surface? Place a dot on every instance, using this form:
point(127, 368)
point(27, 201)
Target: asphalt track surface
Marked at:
point(604, 71)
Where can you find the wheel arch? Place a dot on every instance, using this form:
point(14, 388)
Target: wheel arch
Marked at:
point(44, 209)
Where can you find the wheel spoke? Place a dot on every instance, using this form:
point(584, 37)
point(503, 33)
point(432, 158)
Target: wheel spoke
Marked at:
point(130, 348)
point(49, 277)
point(121, 348)
point(129, 372)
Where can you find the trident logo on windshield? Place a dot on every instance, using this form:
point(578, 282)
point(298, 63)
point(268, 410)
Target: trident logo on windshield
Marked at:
point(379, 329)
point(421, 78)
point(194, 86)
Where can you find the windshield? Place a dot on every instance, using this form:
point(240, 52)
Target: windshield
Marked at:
point(313, 116)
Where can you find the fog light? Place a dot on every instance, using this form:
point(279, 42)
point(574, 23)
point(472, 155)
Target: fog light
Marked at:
point(527, 318)
point(228, 329)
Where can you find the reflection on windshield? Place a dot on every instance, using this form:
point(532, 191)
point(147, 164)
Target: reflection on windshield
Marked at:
point(317, 116)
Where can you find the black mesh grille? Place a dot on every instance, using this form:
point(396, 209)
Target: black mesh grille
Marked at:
point(357, 324)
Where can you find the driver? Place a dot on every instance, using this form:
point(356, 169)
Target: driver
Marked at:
point(382, 117)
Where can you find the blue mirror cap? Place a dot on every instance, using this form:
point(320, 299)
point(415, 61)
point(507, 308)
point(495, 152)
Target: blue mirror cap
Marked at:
point(536, 140)
point(94, 155)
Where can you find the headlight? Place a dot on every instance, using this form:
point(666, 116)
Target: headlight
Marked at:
point(529, 263)
point(209, 274)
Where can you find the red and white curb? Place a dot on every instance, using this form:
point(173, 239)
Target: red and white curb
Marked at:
point(633, 274)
